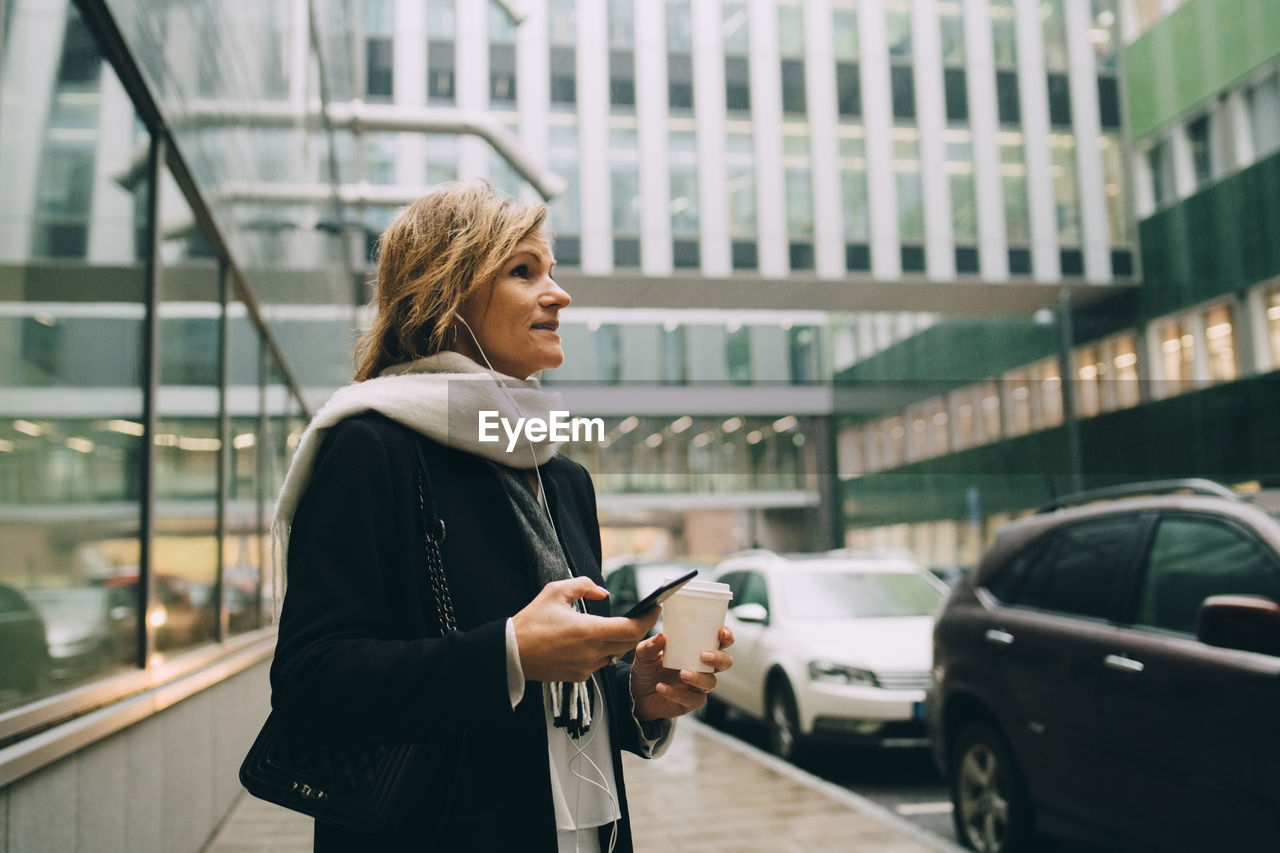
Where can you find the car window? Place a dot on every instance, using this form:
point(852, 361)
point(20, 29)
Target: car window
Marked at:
point(1195, 558)
point(832, 595)
point(1079, 568)
point(735, 581)
point(753, 591)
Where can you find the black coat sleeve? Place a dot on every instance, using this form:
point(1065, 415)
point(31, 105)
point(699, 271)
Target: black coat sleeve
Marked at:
point(358, 651)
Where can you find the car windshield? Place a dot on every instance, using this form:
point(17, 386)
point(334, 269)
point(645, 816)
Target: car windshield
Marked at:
point(845, 595)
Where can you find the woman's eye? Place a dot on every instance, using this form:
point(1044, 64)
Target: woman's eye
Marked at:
point(521, 271)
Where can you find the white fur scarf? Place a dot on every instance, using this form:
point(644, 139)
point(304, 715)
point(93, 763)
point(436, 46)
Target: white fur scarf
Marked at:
point(439, 396)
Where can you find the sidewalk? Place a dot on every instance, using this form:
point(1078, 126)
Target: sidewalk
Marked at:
point(710, 792)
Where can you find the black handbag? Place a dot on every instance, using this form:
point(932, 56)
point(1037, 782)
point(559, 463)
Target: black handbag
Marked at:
point(355, 786)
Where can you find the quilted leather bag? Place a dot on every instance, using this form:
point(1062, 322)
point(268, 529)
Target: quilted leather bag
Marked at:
point(353, 786)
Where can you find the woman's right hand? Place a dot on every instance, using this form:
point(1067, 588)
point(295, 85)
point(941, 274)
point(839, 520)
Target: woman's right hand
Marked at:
point(559, 643)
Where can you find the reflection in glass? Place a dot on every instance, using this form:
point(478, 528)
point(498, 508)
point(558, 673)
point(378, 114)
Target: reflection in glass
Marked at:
point(188, 443)
point(71, 333)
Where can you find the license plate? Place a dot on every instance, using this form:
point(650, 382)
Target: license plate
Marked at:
point(917, 710)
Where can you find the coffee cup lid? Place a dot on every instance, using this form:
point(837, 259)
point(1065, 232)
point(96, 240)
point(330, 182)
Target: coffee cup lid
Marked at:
point(708, 589)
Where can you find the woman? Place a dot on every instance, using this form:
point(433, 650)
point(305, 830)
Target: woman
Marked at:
point(526, 694)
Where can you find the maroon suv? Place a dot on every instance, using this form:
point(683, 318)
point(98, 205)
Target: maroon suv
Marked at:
point(1112, 669)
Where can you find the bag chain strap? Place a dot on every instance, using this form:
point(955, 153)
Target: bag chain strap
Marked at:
point(435, 563)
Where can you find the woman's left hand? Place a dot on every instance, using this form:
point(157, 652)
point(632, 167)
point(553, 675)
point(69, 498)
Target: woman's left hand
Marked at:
point(662, 693)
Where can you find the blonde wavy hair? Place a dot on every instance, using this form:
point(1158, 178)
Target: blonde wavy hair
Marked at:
point(435, 253)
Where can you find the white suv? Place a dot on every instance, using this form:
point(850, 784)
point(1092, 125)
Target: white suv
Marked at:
point(831, 645)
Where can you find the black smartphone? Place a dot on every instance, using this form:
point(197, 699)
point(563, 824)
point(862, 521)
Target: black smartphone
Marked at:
point(660, 595)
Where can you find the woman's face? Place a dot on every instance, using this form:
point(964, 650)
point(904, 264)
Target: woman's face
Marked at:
point(516, 318)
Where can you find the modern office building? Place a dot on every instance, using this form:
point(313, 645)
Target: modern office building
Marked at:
point(828, 259)
point(1177, 379)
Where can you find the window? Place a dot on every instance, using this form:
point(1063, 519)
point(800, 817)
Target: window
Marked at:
point(440, 71)
point(622, 62)
point(1066, 189)
point(1090, 371)
point(1017, 403)
point(608, 340)
point(848, 78)
point(1160, 170)
point(1264, 106)
point(791, 51)
point(1123, 389)
point(675, 369)
point(955, 86)
point(562, 36)
point(1004, 38)
point(1055, 35)
point(622, 78)
point(1079, 569)
point(502, 74)
point(1109, 103)
point(737, 83)
point(1198, 138)
point(1013, 179)
point(964, 202)
point(564, 76)
point(679, 55)
point(441, 32)
point(737, 346)
point(902, 81)
point(853, 199)
point(1115, 186)
point(1273, 324)
point(1059, 100)
point(1195, 557)
point(378, 69)
point(1177, 354)
point(1220, 343)
point(906, 167)
point(737, 63)
point(1007, 105)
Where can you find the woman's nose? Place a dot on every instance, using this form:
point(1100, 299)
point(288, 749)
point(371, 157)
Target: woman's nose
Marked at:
point(555, 295)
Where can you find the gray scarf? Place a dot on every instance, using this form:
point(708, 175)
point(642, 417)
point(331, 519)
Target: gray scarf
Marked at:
point(568, 703)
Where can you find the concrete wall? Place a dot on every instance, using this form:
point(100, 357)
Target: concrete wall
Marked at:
point(161, 786)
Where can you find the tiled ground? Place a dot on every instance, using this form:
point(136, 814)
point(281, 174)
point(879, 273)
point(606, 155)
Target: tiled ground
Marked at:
point(708, 793)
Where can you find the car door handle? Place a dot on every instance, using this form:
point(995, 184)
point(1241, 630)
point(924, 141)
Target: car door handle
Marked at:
point(1122, 664)
point(1000, 638)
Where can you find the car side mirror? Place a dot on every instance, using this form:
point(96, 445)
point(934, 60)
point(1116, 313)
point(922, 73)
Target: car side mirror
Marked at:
point(754, 613)
point(1249, 623)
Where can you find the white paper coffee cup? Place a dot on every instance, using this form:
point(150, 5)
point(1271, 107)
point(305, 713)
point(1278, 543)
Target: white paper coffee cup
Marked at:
point(691, 621)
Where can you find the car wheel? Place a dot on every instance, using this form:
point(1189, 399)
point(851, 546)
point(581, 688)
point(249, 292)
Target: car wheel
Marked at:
point(783, 722)
point(991, 809)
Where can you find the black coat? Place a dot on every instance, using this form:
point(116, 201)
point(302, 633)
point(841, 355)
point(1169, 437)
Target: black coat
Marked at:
point(359, 651)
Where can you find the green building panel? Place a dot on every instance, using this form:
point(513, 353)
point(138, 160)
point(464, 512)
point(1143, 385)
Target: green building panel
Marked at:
point(1218, 241)
point(1200, 49)
point(958, 350)
point(1224, 433)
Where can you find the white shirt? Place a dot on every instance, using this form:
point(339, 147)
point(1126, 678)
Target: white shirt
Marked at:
point(583, 787)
